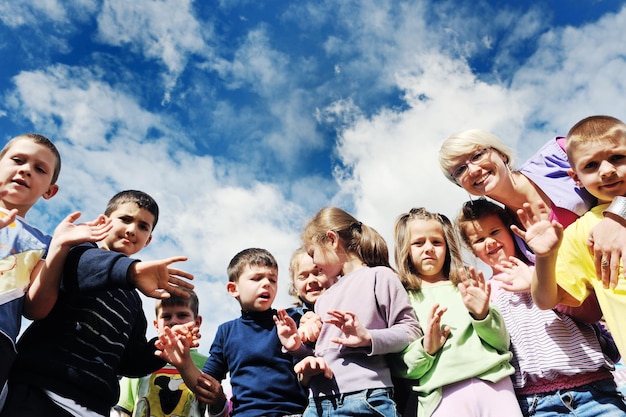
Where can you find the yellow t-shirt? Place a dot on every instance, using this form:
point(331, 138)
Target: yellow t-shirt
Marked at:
point(576, 274)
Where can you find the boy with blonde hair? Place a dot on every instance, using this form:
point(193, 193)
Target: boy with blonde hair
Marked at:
point(565, 271)
point(30, 261)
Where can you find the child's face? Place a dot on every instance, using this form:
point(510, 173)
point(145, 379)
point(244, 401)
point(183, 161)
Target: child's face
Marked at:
point(170, 316)
point(325, 258)
point(131, 231)
point(256, 288)
point(490, 239)
point(600, 167)
point(428, 248)
point(26, 171)
point(308, 281)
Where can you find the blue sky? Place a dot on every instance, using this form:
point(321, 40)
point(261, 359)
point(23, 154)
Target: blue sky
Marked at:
point(243, 118)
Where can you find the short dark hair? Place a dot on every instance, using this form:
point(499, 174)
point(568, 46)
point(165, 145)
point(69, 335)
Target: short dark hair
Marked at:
point(140, 198)
point(40, 140)
point(176, 301)
point(249, 257)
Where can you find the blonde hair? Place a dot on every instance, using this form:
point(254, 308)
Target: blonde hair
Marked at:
point(467, 142)
point(407, 272)
point(294, 264)
point(594, 129)
point(355, 237)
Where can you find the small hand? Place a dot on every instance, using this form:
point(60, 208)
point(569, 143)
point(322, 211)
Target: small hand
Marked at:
point(68, 233)
point(515, 275)
point(209, 390)
point(310, 327)
point(435, 334)
point(287, 330)
point(542, 235)
point(173, 346)
point(157, 279)
point(311, 366)
point(475, 292)
point(356, 335)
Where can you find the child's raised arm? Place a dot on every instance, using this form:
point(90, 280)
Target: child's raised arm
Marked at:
point(46, 276)
point(544, 238)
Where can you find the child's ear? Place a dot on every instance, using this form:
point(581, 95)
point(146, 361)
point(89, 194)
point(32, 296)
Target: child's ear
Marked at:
point(333, 238)
point(156, 324)
point(573, 176)
point(198, 321)
point(148, 241)
point(52, 190)
point(231, 287)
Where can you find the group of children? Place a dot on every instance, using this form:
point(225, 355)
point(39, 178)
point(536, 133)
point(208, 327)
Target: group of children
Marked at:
point(527, 341)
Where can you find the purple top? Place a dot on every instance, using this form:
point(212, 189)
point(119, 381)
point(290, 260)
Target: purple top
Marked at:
point(380, 302)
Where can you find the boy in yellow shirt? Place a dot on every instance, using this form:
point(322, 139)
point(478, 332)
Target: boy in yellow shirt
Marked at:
point(565, 271)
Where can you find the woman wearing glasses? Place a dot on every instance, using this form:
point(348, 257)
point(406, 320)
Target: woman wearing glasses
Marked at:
point(482, 164)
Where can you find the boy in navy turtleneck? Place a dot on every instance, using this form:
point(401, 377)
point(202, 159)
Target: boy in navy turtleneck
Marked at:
point(261, 374)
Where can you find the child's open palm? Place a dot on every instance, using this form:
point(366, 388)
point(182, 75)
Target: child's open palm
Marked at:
point(515, 275)
point(435, 334)
point(287, 330)
point(475, 292)
point(157, 279)
point(356, 335)
point(542, 235)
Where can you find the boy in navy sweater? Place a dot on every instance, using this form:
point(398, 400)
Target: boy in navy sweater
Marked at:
point(261, 374)
point(68, 362)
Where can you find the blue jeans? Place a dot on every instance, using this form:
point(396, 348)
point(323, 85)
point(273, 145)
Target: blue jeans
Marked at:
point(370, 402)
point(599, 398)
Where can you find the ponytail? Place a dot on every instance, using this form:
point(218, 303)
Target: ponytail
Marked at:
point(355, 237)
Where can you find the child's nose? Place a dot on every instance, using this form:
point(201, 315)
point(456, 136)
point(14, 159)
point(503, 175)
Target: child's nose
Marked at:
point(606, 168)
point(25, 170)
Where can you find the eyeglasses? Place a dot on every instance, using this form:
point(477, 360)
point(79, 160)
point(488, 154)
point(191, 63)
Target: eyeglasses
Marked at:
point(476, 158)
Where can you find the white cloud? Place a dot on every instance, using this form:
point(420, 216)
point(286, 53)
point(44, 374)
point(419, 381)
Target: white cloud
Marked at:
point(163, 30)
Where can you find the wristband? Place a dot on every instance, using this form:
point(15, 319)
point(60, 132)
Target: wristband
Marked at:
point(617, 207)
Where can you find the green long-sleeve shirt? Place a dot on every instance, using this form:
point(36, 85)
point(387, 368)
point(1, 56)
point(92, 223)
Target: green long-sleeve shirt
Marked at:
point(474, 348)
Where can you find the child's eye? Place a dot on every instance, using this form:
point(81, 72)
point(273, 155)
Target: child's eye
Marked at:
point(590, 165)
point(17, 160)
point(479, 240)
point(616, 158)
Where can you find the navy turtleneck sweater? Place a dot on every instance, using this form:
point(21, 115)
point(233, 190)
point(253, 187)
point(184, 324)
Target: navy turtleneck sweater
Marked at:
point(261, 374)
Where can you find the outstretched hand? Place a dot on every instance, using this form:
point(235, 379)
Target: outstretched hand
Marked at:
point(515, 275)
point(475, 292)
point(542, 235)
point(174, 343)
point(68, 233)
point(356, 335)
point(157, 279)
